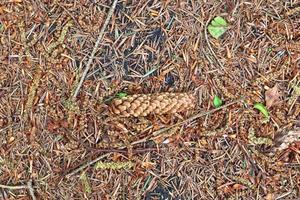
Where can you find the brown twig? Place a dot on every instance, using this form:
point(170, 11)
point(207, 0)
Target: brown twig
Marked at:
point(14, 187)
point(158, 132)
point(30, 189)
point(68, 175)
point(108, 151)
point(134, 151)
point(110, 13)
point(198, 116)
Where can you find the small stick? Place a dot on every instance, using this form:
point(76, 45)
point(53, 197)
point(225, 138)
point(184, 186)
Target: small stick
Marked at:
point(160, 131)
point(14, 187)
point(86, 165)
point(110, 13)
point(208, 112)
point(30, 189)
point(134, 151)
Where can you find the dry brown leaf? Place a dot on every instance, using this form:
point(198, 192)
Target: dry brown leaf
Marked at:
point(269, 196)
point(227, 190)
point(272, 96)
point(238, 186)
point(148, 165)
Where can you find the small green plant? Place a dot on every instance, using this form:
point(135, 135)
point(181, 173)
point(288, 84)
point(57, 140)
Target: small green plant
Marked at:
point(262, 108)
point(217, 101)
point(121, 95)
point(217, 27)
point(270, 49)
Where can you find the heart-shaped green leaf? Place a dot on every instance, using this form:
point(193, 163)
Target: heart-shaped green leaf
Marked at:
point(217, 27)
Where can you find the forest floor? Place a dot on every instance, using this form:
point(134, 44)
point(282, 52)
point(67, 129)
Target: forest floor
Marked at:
point(59, 139)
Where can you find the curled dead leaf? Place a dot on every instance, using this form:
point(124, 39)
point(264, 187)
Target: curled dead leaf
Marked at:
point(272, 95)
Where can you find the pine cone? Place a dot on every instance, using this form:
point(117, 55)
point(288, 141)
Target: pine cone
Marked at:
point(144, 104)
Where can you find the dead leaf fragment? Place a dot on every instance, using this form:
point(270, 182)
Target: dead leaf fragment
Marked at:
point(272, 95)
point(284, 141)
point(269, 196)
point(148, 165)
point(237, 186)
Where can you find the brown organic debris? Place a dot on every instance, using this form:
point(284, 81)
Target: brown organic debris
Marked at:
point(61, 61)
point(272, 96)
point(144, 104)
point(287, 139)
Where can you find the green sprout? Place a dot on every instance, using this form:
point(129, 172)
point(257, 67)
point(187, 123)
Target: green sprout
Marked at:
point(217, 27)
point(121, 95)
point(262, 108)
point(217, 102)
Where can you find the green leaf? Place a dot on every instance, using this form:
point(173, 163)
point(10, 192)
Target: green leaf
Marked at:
point(121, 94)
point(218, 26)
point(217, 102)
point(262, 108)
point(270, 49)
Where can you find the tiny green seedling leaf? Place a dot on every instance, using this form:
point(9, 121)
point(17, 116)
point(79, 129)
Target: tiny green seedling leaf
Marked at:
point(121, 94)
point(217, 27)
point(270, 49)
point(262, 108)
point(217, 102)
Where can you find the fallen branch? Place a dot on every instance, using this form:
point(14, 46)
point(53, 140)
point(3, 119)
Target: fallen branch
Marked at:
point(68, 175)
point(124, 151)
point(202, 114)
point(108, 151)
point(198, 116)
point(86, 165)
point(110, 13)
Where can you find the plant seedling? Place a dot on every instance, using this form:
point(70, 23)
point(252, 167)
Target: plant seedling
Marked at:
point(217, 102)
point(217, 27)
point(121, 95)
point(262, 108)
